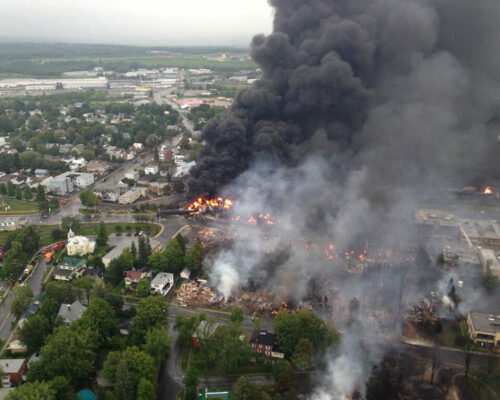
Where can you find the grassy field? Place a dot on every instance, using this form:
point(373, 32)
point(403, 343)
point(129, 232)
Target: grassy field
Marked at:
point(87, 229)
point(17, 206)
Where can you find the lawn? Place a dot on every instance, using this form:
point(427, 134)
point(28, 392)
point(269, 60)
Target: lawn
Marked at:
point(87, 229)
point(17, 206)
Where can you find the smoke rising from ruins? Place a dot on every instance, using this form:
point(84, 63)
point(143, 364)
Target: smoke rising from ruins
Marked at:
point(362, 106)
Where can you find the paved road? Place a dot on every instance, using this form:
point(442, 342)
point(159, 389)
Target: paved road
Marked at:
point(35, 282)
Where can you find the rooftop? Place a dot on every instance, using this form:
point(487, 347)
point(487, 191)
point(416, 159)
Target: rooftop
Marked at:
point(127, 243)
point(11, 365)
point(485, 322)
point(263, 337)
point(71, 312)
point(73, 262)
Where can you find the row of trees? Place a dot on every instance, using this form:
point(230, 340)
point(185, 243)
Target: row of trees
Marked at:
point(23, 245)
point(68, 353)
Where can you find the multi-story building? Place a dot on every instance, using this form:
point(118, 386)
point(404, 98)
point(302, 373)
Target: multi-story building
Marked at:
point(266, 343)
point(162, 283)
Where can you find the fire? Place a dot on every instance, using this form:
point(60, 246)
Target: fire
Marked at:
point(202, 204)
point(488, 190)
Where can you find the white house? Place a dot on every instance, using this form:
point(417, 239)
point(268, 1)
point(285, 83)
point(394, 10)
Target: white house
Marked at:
point(151, 169)
point(162, 283)
point(79, 245)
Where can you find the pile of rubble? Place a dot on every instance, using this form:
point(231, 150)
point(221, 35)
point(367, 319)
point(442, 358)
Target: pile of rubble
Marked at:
point(196, 294)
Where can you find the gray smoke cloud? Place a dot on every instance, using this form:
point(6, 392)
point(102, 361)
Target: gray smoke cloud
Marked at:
point(363, 105)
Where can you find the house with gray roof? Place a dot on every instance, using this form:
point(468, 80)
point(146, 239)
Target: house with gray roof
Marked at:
point(71, 312)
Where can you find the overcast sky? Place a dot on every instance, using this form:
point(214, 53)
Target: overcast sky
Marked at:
point(138, 22)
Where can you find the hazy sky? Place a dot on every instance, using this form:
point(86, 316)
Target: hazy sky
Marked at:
point(139, 22)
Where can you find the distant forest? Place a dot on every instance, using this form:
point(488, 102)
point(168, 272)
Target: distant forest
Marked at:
point(52, 59)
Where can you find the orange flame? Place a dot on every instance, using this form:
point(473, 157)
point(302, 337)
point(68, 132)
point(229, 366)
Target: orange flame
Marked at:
point(488, 190)
point(203, 203)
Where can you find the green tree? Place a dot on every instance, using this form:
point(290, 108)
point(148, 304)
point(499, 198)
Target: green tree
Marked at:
point(100, 318)
point(84, 284)
point(11, 189)
point(63, 389)
point(157, 343)
point(282, 374)
point(151, 312)
point(14, 261)
point(229, 351)
point(88, 198)
point(40, 194)
point(33, 391)
point(132, 363)
point(68, 353)
point(19, 193)
point(3, 189)
point(291, 327)
point(143, 288)
point(303, 357)
point(194, 257)
point(34, 331)
point(142, 254)
point(117, 267)
point(146, 390)
point(186, 327)
point(237, 316)
point(22, 299)
point(191, 384)
point(27, 195)
point(182, 242)
point(119, 229)
point(72, 223)
point(245, 389)
point(490, 281)
point(102, 235)
point(133, 250)
point(58, 234)
point(174, 257)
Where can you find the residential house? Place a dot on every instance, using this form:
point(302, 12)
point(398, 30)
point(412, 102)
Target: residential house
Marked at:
point(125, 243)
point(151, 168)
point(266, 343)
point(107, 192)
point(79, 245)
point(79, 148)
point(484, 328)
point(65, 148)
point(158, 188)
point(17, 347)
point(71, 312)
point(114, 152)
point(165, 154)
point(79, 179)
point(11, 223)
point(162, 283)
point(137, 146)
point(32, 309)
point(14, 370)
point(132, 278)
point(98, 167)
point(205, 330)
point(41, 173)
point(69, 268)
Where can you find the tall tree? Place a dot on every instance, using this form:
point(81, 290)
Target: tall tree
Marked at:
point(34, 332)
point(28, 195)
point(22, 299)
point(133, 250)
point(237, 316)
point(146, 390)
point(68, 353)
point(151, 312)
point(132, 363)
point(3, 189)
point(182, 242)
point(11, 189)
point(174, 257)
point(245, 389)
point(102, 235)
point(142, 257)
point(19, 193)
point(32, 391)
point(157, 343)
point(100, 318)
point(40, 193)
point(88, 198)
point(193, 258)
point(191, 384)
point(291, 327)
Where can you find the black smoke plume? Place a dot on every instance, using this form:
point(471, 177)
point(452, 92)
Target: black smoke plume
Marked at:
point(384, 82)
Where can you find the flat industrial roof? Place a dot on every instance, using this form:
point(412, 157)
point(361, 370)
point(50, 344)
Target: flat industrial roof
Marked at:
point(485, 322)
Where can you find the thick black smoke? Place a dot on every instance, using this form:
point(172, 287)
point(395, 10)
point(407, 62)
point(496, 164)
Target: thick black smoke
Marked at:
point(387, 82)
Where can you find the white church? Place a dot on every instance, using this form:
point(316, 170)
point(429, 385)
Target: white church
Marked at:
point(79, 245)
